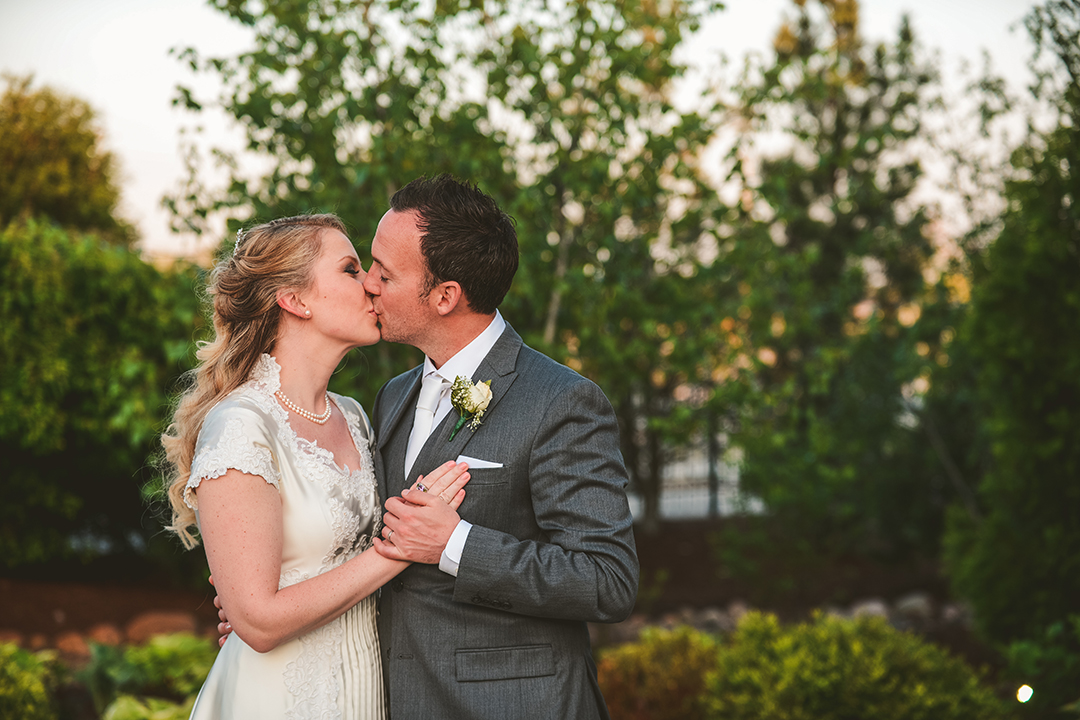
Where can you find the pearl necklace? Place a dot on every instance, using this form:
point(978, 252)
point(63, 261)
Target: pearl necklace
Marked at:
point(307, 414)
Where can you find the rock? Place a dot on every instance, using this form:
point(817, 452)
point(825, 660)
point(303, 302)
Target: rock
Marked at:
point(73, 645)
point(836, 612)
point(11, 637)
point(714, 621)
point(956, 614)
point(736, 609)
point(147, 625)
point(916, 606)
point(670, 621)
point(105, 634)
point(870, 608)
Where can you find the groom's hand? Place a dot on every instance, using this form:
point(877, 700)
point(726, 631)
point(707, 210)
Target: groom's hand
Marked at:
point(224, 627)
point(418, 529)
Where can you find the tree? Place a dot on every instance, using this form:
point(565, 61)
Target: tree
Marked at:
point(340, 107)
point(52, 163)
point(92, 339)
point(614, 210)
point(828, 247)
point(1019, 565)
point(563, 112)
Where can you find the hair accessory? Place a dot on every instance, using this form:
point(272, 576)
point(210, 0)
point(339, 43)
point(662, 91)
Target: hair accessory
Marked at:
point(239, 237)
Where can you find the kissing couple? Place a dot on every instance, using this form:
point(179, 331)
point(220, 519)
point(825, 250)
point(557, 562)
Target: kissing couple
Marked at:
point(506, 526)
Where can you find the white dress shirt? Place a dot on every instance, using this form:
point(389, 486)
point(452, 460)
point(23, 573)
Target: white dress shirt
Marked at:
point(464, 363)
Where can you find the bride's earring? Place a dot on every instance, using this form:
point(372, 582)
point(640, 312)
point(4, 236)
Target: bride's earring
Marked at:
point(307, 313)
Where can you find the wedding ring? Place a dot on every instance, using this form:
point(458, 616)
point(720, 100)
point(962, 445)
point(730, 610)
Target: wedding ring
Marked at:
point(389, 533)
point(420, 487)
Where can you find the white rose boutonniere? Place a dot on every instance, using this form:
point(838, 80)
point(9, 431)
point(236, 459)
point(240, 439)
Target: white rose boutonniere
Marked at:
point(470, 401)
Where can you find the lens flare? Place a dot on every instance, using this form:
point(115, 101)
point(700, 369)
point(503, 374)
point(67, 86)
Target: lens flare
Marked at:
point(1024, 693)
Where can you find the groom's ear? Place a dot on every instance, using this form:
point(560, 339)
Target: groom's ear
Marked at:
point(447, 295)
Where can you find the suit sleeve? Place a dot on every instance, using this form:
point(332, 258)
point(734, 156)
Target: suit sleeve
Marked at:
point(584, 566)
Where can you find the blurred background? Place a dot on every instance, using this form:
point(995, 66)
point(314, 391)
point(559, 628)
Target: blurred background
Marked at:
point(823, 256)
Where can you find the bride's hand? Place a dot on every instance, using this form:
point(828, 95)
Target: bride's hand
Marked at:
point(417, 526)
point(447, 482)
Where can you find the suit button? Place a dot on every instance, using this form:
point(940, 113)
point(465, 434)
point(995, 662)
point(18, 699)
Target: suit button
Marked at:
point(399, 585)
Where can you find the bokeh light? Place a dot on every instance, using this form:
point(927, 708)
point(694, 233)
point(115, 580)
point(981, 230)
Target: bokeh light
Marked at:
point(1024, 693)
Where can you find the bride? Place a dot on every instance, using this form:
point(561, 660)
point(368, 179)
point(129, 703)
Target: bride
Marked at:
point(277, 474)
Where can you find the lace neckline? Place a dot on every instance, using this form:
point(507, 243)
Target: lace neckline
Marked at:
point(265, 379)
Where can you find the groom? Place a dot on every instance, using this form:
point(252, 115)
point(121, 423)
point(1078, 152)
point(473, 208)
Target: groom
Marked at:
point(495, 625)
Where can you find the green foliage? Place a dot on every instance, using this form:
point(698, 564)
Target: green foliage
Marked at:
point(660, 676)
point(613, 209)
point(92, 339)
point(346, 108)
point(828, 246)
point(26, 684)
point(169, 669)
point(52, 163)
point(105, 673)
point(1050, 663)
point(172, 665)
point(832, 668)
point(563, 112)
point(129, 707)
point(1019, 563)
point(769, 558)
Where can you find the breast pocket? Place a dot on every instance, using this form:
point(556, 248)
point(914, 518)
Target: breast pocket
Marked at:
point(508, 663)
point(487, 476)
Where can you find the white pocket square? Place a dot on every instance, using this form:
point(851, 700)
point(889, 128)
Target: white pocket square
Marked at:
point(477, 463)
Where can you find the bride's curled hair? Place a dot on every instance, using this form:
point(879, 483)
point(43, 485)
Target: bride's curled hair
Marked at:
point(243, 289)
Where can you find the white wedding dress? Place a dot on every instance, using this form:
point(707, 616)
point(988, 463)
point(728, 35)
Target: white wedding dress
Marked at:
point(329, 515)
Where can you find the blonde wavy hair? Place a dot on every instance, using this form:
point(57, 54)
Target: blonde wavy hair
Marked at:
point(243, 289)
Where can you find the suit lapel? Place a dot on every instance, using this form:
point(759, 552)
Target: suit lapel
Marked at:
point(499, 367)
point(388, 439)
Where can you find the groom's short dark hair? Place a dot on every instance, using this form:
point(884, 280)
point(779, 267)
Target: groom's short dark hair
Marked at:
point(465, 238)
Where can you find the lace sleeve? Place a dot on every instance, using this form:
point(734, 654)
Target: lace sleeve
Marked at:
point(231, 440)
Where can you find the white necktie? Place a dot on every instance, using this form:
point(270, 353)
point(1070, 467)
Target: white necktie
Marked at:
point(430, 394)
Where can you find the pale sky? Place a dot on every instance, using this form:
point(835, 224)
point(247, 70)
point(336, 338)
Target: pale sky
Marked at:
point(114, 54)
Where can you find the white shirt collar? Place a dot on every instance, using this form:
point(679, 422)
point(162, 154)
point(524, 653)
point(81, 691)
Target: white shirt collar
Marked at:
point(468, 359)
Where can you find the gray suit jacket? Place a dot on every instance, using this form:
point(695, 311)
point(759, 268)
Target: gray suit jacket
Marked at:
point(551, 548)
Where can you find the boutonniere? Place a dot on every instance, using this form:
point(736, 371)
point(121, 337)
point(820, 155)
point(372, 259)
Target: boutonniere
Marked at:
point(470, 401)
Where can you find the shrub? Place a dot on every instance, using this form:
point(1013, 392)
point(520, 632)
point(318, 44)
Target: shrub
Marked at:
point(25, 684)
point(660, 676)
point(129, 707)
point(1050, 664)
point(168, 667)
point(91, 339)
point(174, 665)
point(831, 668)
